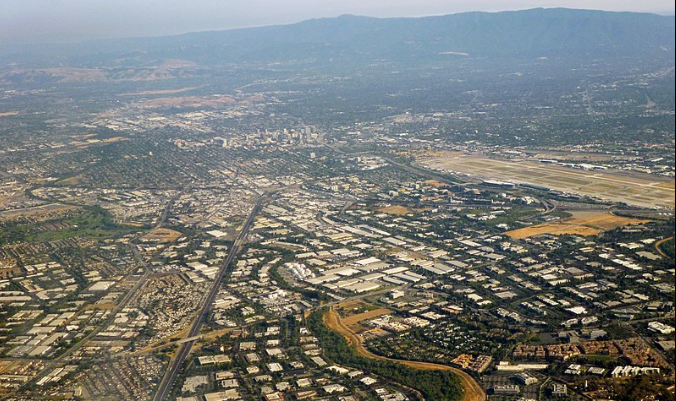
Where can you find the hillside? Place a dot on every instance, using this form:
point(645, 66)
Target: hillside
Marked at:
point(551, 33)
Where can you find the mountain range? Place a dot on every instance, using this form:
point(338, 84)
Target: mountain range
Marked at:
point(551, 33)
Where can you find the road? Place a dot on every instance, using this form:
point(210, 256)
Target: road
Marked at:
point(177, 361)
point(658, 247)
point(165, 212)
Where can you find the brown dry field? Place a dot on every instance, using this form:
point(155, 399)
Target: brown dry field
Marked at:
point(350, 304)
point(176, 338)
point(355, 319)
point(608, 221)
point(162, 235)
point(189, 101)
point(130, 224)
point(74, 180)
point(435, 183)
point(5, 200)
point(131, 74)
point(216, 333)
point(636, 189)
point(9, 114)
point(582, 223)
point(158, 92)
point(472, 389)
point(553, 229)
point(102, 306)
point(396, 210)
point(68, 74)
point(115, 139)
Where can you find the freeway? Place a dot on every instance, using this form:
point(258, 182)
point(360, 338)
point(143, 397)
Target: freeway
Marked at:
point(176, 363)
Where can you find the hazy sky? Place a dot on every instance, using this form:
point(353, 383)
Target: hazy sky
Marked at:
point(56, 20)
